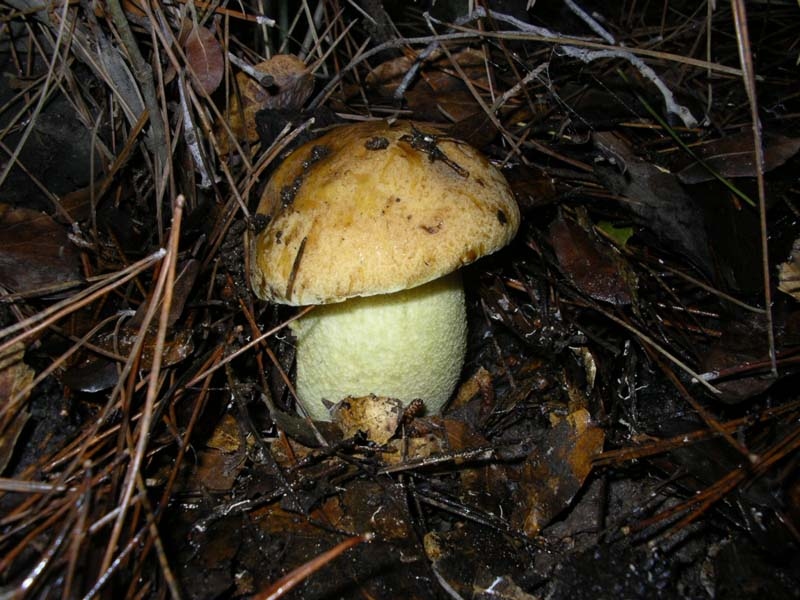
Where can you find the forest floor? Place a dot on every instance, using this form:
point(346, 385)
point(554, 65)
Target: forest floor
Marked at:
point(627, 421)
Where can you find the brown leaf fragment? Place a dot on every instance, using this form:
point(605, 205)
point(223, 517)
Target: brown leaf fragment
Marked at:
point(789, 273)
point(183, 286)
point(656, 198)
point(216, 470)
point(291, 84)
point(733, 156)
point(487, 569)
point(377, 507)
point(178, 345)
point(555, 471)
point(226, 435)
point(742, 342)
point(94, 373)
point(476, 129)
point(35, 252)
point(438, 92)
point(430, 103)
point(475, 397)
point(15, 376)
point(590, 265)
point(206, 59)
point(224, 455)
point(377, 416)
point(533, 187)
point(386, 77)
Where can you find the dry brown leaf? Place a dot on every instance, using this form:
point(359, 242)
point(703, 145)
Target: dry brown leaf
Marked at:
point(555, 471)
point(206, 59)
point(387, 76)
point(733, 156)
point(372, 506)
point(94, 373)
point(35, 251)
point(789, 273)
point(475, 397)
point(181, 289)
point(15, 376)
point(656, 199)
point(377, 416)
point(487, 569)
point(226, 435)
point(592, 267)
point(414, 448)
point(291, 85)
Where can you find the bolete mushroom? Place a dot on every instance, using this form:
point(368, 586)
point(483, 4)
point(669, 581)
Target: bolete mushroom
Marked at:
point(372, 221)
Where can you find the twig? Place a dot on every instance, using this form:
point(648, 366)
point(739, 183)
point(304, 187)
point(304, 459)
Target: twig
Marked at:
point(248, 346)
point(748, 75)
point(53, 313)
point(293, 578)
point(586, 56)
point(190, 136)
point(164, 286)
point(465, 34)
point(42, 96)
point(144, 75)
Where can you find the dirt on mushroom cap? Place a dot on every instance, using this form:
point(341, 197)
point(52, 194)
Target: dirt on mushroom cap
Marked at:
point(371, 209)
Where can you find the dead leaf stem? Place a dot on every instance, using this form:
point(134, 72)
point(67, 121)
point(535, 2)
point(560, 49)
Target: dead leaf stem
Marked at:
point(144, 75)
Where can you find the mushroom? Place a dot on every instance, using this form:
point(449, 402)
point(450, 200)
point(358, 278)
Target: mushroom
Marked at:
point(371, 222)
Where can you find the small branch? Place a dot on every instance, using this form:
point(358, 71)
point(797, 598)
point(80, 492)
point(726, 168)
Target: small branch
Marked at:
point(144, 75)
point(749, 78)
point(190, 136)
point(588, 56)
point(647, 72)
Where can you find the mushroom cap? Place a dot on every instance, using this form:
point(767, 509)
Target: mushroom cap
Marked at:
point(373, 208)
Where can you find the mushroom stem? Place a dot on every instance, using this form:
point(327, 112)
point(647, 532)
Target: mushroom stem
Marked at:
point(405, 345)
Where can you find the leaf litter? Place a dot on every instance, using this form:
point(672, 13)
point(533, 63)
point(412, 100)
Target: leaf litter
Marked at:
point(619, 430)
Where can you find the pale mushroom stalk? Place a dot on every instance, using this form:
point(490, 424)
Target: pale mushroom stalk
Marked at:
point(372, 222)
point(405, 345)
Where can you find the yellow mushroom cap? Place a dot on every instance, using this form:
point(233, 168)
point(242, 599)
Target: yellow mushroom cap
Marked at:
point(373, 208)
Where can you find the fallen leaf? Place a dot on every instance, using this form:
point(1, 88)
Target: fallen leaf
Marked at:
point(485, 570)
point(532, 186)
point(35, 252)
point(438, 92)
point(226, 435)
point(15, 376)
point(387, 76)
point(292, 82)
point(184, 284)
point(94, 373)
point(789, 273)
point(742, 342)
point(475, 398)
point(732, 156)
point(555, 471)
point(590, 265)
point(376, 416)
point(206, 59)
point(290, 85)
point(657, 200)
